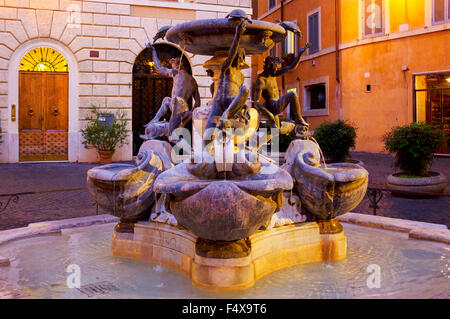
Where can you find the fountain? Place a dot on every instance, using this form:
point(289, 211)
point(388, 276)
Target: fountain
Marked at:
point(227, 215)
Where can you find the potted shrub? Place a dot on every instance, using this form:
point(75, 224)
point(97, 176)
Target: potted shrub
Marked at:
point(413, 146)
point(336, 139)
point(105, 132)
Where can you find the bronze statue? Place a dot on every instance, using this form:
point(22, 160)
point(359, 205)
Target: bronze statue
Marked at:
point(267, 88)
point(230, 95)
point(184, 87)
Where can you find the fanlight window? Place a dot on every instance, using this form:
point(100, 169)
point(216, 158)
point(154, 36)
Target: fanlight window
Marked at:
point(43, 60)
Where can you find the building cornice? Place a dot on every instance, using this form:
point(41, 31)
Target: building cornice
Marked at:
point(177, 5)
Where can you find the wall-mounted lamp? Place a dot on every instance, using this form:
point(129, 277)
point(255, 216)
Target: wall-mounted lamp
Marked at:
point(313, 62)
point(405, 68)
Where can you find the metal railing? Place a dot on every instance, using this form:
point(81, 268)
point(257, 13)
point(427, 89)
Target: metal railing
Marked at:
point(15, 197)
point(375, 195)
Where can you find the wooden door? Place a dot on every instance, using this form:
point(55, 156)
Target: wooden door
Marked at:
point(43, 116)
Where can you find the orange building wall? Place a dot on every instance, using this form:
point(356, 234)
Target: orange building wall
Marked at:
point(325, 64)
point(391, 101)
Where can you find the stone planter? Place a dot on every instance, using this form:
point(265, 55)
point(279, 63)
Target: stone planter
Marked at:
point(401, 185)
point(105, 156)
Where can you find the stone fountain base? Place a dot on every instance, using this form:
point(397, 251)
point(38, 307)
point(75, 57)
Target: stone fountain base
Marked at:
point(267, 251)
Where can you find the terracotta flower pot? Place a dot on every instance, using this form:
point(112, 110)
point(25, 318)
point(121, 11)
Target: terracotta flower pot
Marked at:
point(105, 156)
point(436, 183)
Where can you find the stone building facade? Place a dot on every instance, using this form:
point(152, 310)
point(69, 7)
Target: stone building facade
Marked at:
point(99, 40)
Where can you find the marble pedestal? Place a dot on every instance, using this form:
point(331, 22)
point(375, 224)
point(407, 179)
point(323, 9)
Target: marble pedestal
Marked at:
point(270, 250)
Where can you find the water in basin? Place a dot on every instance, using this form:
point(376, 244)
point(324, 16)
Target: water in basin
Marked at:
point(409, 269)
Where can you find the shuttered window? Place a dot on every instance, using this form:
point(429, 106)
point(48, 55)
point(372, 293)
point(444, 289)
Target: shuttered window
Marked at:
point(441, 11)
point(272, 3)
point(313, 32)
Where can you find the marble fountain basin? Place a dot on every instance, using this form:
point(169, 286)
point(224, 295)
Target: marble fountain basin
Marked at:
point(124, 190)
point(327, 191)
point(223, 210)
point(409, 269)
point(210, 36)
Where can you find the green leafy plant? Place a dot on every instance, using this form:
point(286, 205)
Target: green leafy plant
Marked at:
point(336, 139)
point(413, 146)
point(97, 134)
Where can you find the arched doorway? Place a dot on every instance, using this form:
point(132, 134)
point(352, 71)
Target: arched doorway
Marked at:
point(43, 106)
point(150, 87)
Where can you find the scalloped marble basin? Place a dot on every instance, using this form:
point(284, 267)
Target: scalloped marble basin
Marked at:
point(325, 191)
point(209, 36)
point(224, 210)
point(124, 190)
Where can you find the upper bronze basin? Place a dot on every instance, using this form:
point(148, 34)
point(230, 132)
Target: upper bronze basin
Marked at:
point(210, 36)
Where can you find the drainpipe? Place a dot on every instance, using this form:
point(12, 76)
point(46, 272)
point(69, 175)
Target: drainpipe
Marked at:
point(282, 19)
point(338, 70)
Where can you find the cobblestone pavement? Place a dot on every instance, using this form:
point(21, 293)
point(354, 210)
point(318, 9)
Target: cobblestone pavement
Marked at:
point(10, 292)
point(15, 178)
point(21, 177)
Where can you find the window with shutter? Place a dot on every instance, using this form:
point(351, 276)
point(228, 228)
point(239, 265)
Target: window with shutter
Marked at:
point(272, 3)
point(441, 11)
point(313, 32)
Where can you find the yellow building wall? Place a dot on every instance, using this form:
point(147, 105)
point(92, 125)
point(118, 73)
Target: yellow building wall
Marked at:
point(349, 20)
point(411, 12)
point(390, 103)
